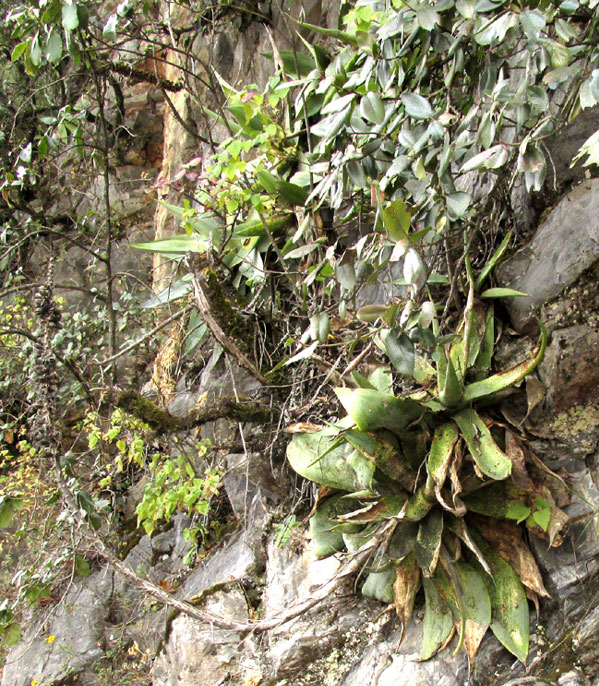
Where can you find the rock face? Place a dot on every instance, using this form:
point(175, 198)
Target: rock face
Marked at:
point(77, 628)
point(563, 247)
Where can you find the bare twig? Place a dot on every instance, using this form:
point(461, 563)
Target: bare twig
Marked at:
point(146, 336)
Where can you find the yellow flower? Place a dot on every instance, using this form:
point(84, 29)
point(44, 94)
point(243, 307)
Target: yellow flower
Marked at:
point(34, 682)
point(51, 638)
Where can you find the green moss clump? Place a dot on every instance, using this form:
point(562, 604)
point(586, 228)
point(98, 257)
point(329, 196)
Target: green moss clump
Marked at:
point(155, 417)
point(224, 310)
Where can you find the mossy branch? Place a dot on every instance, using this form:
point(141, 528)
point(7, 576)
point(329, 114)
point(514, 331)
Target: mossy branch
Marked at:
point(223, 320)
point(163, 422)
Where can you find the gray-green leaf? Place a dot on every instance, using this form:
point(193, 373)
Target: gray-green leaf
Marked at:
point(416, 106)
point(489, 457)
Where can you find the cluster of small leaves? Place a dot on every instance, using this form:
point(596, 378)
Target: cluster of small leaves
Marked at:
point(126, 433)
point(451, 479)
point(177, 484)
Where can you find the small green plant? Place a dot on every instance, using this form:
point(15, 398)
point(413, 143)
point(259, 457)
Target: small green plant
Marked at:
point(447, 477)
point(177, 484)
point(283, 530)
point(124, 438)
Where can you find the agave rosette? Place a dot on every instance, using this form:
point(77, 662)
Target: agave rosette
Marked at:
point(456, 486)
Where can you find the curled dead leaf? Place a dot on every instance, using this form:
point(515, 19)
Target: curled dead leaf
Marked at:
point(405, 587)
point(505, 537)
point(304, 427)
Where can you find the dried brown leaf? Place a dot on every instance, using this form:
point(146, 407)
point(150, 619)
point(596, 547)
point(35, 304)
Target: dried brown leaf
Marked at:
point(405, 587)
point(454, 468)
point(535, 393)
point(506, 538)
point(473, 636)
point(515, 451)
point(304, 428)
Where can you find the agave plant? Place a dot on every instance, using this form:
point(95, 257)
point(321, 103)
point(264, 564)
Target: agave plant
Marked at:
point(448, 483)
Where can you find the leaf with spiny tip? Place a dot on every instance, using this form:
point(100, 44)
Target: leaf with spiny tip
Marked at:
point(509, 606)
point(405, 587)
point(474, 603)
point(452, 391)
point(493, 384)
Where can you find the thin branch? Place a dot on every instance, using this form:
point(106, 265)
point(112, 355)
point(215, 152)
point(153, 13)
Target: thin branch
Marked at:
point(227, 342)
point(149, 334)
point(322, 593)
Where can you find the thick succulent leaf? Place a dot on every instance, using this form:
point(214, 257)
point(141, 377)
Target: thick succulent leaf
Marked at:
point(403, 540)
point(475, 604)
point(385, 455)
point(506, 538)
point(487, 345)
point(324, 458)
point(498, 382)
point(379, 585)
point(460, 350)
point(478, 327)
point(438, 621)
point(441, 452)
point(405, 587)
point(325, 531)
point(420, 503)
point(452, 391)
point(488, 456)
point(448, 586)
point(428, 542)
point(415, 444)
point(496, 499)
point(372, 410)
point(509, 607)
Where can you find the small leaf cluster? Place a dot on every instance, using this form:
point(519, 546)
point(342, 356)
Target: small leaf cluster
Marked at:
point(177, 485)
